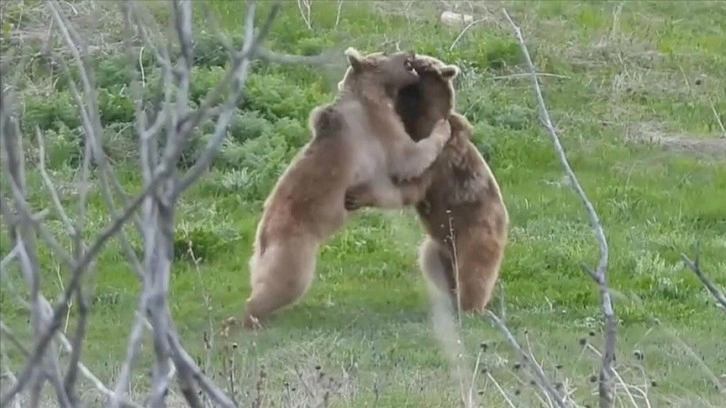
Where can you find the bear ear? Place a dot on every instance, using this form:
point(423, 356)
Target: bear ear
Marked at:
point(355, 60)
point(449, 72)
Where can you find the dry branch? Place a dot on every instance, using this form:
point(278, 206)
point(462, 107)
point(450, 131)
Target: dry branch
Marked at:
point(695, 267)
point(539, 376)
point(152, 209)
point(599, 274)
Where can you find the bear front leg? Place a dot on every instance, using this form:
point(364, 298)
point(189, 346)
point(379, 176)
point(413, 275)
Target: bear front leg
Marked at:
point(384, 195)
point(417, 157)
point(358, 197)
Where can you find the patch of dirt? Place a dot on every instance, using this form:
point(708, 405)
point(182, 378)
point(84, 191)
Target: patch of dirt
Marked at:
point(677, 142)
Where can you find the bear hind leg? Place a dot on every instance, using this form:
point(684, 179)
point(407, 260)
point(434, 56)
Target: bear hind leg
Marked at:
point(281, 277)
point(478, 276)
point(436, 266)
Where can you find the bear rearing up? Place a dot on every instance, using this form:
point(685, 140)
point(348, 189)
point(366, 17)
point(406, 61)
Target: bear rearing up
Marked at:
point(458, 200)
point(357, 139)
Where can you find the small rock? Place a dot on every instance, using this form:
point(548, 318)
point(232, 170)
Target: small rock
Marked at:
point(451, 18)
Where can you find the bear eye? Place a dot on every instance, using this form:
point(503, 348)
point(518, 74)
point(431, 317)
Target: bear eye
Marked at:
point(408, 64)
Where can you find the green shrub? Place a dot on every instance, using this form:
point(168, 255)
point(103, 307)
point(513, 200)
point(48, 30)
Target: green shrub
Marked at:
point(195, 145)
point(203, 79)
point(113, 71)
point(115, 105)
point(258, 161)
point(203, 242)
point(210, 52)
point(482, 139)
point(50, 112)
point(312, 46)
point(496, 53)
point(120, 142)
point(264, 160)
point(230, 155)
point(247, 125)
point(293, 131)
point(275, 96)
point(63, 147)
point(199, 241)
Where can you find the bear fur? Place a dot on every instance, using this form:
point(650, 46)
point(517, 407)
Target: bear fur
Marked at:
point(358, 138)
point(458, 200)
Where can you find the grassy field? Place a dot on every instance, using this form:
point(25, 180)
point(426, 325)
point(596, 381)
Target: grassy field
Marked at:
point(637, 90)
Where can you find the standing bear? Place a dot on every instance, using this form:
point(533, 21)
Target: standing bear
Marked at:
point(358, 138)
point(457, 200)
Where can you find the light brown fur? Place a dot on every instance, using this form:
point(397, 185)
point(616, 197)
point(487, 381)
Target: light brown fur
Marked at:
point(356, 139)
point(457, 196)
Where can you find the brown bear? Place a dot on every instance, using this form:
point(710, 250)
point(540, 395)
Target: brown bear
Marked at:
point(457, 200)
point(358, 138)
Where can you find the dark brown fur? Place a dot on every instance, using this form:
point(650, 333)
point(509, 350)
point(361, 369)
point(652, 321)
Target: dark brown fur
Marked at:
point(458, 196)
point(358, 138)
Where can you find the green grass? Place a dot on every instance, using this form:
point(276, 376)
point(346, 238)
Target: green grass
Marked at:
point(632, 87)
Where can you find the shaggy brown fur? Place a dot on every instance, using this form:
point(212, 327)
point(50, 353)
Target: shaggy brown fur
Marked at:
point(458, 200)
point(358, 138)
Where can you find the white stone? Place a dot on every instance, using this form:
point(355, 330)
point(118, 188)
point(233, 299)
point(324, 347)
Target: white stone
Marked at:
point(451, 18)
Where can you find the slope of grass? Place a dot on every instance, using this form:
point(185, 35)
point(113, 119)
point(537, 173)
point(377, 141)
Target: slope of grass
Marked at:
point(637, 90)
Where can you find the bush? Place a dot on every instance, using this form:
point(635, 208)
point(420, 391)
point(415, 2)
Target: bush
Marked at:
point(230, 155)
point(264, 159)
point(50, 113)
point(115, 105)
point(293, 131)
point(62, 147)
point(203, 80)
point(247, 125)
point(275, 96)
point(120, 142)
point(210, 52)
point(203, 242)
point(113, 72)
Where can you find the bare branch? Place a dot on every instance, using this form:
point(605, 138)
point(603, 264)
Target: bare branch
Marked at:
point(461, 34)
point(21, 236)
point(71, 375)
point(695, 267)
point(239, 71)
point(5, 364)
point(67, 223)
point(9, 335)
point(528, 360)
point(606, 382)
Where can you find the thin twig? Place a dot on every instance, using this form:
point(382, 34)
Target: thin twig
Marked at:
point(338, 13)
point(528, 75)
point(461, 34)
point(718, 119)
point(695, 267)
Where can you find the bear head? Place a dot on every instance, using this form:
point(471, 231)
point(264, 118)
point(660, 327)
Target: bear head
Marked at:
point(430, 99)
point(379, 74)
